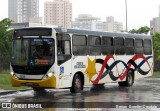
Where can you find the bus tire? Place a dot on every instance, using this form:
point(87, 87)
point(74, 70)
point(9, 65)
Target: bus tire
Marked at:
point(121, 84)
point(129, 80)
point(77, 85)
point(38, 89)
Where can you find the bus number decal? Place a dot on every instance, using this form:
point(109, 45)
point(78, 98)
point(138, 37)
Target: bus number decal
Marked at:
point(79, 65)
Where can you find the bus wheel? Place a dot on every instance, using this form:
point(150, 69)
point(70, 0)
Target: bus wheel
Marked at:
point(38, 89)
point(129, 80)
point(77, 85)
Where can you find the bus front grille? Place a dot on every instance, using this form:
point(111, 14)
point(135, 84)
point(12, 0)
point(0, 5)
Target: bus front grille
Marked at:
point(38, 70)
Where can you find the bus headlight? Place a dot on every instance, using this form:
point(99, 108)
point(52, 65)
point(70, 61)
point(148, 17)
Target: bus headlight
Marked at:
point(14, 75)
point(47, 75)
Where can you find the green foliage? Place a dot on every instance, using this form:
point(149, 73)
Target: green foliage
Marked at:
point(141, 30)
point(133, 31)
point(156, 47)
point(156, 75)
point(6, 83)
point(5, 43)
point(156, 44)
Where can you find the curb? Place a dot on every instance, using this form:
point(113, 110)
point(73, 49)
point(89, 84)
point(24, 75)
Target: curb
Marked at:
point(13, 91)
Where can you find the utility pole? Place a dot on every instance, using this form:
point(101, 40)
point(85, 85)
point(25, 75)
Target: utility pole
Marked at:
point(126, 16)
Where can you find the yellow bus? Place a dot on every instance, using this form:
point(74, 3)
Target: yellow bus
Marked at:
point(47, 57)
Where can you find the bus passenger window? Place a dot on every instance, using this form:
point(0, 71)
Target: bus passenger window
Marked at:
point(147, 46)
point(79, 45)
point(94, 45)
point(119, 45)
point(138, 46)
point(129, 46)
point(107, 45)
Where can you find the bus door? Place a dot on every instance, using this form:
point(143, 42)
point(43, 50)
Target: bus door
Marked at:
point(64, 59)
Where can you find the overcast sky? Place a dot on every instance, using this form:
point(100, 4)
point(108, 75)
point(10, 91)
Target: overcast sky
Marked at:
point(140, 12)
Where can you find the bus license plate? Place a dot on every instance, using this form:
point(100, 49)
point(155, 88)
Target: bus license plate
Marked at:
point(29, 84)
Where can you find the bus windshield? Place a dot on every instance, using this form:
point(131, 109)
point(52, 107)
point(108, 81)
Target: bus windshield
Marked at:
point(33, 52)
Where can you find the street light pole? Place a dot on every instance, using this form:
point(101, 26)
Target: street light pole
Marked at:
point(126, 16)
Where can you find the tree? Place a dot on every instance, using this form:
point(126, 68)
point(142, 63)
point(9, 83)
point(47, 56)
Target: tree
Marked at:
point(5, 43)
point(133, 31)
point(156, 47)
point(156, 44)
point(144, 30)
point(141, 30)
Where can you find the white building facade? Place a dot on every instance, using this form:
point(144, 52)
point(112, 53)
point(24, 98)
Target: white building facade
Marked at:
point(58, 12)
point(155, 23)
point(86, 21)
point(21, 11)
point(111, 25)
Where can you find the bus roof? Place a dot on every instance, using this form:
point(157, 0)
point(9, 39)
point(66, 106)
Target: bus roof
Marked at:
point(109, 34)
point(97, 33)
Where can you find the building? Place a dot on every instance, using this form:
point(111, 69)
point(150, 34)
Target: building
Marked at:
point(58, 12)
point(86, 21)
point(35, 20)
point(28, 24)
point(111, 25)
point(21, 11)
point(155, 23)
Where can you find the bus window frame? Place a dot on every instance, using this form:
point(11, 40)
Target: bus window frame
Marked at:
point(63, 55)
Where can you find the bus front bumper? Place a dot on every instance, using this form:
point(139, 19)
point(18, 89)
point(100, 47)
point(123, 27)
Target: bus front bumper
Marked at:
point(46, 83)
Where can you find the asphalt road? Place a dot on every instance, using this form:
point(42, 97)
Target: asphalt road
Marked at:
point(144, 95)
